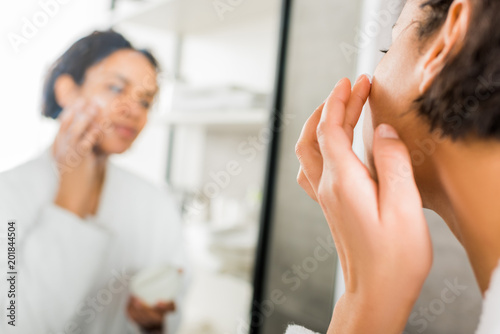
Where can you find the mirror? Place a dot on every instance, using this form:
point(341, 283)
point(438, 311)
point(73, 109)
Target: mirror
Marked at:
point(205, 144)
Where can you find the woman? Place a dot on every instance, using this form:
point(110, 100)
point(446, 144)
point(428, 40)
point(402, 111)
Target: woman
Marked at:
point(435, 106)
point(84, 225)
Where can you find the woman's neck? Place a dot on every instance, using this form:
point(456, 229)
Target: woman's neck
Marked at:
point(468, 194)
point(95, 195)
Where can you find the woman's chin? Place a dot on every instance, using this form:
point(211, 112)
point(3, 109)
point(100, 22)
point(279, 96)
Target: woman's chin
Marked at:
point(114, 147)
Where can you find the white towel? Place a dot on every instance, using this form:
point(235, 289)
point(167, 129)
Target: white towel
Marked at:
point(490, 322)
point(294, 329)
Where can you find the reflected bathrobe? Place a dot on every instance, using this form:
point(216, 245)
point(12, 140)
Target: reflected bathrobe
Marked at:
point(73, 273)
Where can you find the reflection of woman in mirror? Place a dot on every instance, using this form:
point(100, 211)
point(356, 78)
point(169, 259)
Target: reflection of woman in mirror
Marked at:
point(435, 106)
point(85, 225)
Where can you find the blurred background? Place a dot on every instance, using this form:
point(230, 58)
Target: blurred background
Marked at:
point(227, 66)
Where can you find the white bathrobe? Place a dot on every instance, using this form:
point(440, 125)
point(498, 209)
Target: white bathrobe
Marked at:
point(73, 273)
point(490, 318)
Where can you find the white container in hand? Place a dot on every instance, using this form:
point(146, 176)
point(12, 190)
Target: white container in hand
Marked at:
point(156, 284)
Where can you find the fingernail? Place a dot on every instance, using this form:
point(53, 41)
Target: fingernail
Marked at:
point(387, 131)
point(338, 83)
point(369, 77)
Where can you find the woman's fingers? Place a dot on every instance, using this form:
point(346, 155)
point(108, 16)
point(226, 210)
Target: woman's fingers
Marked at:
point(307, 151)
point(143, 314)
point(303, 181)
point(343, 108)
point(134, 311)
point(83, 134)
point(334, 133)
point(89, 141)
point(68, 114)
point(337, 100)
point(398, 192)
point(357, 100)
point(164, 307)
point(82, 121)
point(334, 144)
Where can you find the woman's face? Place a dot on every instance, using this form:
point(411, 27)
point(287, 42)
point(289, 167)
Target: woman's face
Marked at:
point(396, 84)
point(123, 86)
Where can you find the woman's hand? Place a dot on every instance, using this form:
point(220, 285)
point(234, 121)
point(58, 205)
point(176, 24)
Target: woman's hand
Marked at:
point(80, 166)
point(379, 230)
point(150, 319)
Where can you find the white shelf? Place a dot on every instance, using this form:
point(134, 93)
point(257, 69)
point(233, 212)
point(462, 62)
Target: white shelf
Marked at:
point(189, 16)
point(250, 118)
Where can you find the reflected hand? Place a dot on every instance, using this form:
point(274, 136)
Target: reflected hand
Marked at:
point(150, 319)
point(76, 157)
point(379, 229)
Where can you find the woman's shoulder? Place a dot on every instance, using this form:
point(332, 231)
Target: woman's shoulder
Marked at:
point(490, 322)
point(30, 173)
point(27, 186)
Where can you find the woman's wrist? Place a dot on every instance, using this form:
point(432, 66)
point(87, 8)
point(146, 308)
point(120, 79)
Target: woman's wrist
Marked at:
point(371, 313)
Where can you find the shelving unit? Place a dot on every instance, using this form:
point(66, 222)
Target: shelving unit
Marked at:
point(249, 119)
point(183, 19)
point(189, 16)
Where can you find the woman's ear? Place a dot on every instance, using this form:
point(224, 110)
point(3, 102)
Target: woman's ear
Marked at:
point(449, 40)
point(65, 90)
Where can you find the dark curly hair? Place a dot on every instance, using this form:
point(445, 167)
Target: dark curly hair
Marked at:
point(83, 54)
point(464, 99)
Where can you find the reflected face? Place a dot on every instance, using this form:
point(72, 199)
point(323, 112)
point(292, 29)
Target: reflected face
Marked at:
point(123, 85)
point(396, 85)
